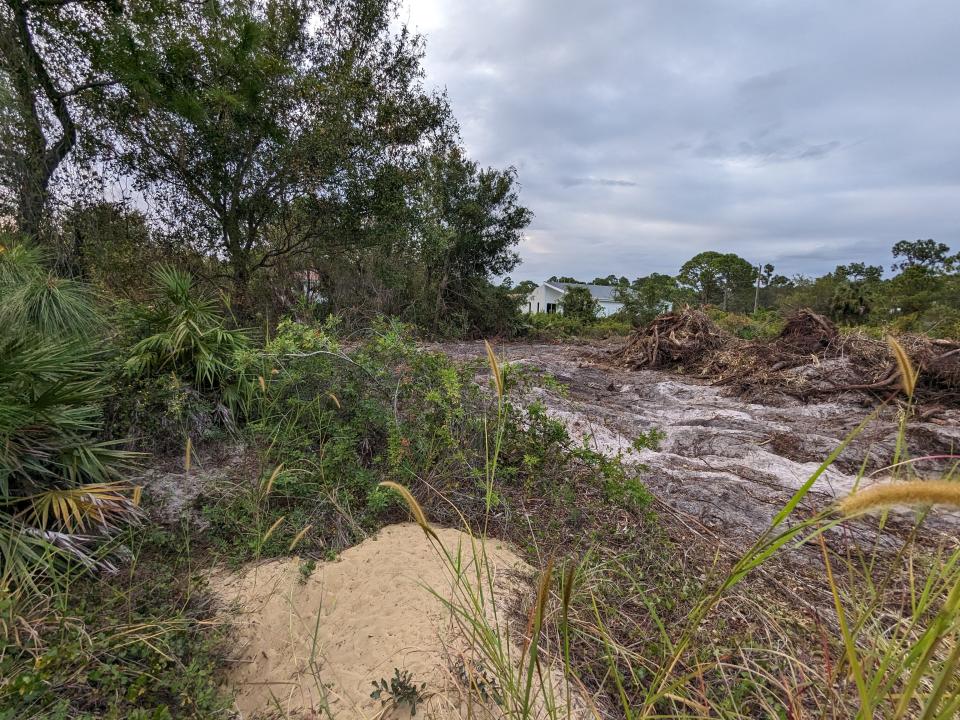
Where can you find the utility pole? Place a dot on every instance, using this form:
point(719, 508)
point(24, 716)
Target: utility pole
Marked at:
point(756, 294)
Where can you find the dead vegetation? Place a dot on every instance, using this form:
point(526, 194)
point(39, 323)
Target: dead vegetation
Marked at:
point(810, 357)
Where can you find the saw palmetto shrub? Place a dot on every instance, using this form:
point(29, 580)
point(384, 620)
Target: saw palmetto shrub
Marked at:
point(60, 488)
point(179, 376)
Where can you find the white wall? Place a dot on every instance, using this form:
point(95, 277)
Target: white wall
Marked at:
point(538, 299)
point(609, 308)
point(543, 295)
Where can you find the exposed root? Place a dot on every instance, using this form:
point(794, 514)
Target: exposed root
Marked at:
point(810, 357)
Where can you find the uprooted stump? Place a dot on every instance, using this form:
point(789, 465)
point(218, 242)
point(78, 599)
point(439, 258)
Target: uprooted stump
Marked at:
point(810, 358)
point(807, 332)
point(686, 338)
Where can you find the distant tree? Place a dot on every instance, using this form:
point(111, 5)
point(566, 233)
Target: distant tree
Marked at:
point(611, 280)
point(648, 297)
point(859, 272)
point(114, 247)
point(723, 279)
point(578, 302)
point(525, 287)
point(564, 279)
point(927, 254)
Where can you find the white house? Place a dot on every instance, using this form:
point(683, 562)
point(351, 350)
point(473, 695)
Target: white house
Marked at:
point(546, 298)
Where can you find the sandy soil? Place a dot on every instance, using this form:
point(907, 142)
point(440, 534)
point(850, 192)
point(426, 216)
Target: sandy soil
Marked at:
point(725, 465)
point(313, 647)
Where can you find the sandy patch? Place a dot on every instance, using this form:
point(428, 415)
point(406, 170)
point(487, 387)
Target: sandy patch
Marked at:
point(313, 648)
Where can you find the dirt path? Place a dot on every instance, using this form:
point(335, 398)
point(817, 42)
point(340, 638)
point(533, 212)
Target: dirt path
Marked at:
point(725, 464)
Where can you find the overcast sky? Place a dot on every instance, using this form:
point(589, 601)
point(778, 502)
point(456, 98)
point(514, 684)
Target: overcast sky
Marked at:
point(805, 134)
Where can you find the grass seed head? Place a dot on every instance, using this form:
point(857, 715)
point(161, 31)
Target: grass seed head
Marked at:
point(908, 374)
point(911, 493)
point(412, 505)
point(494, 369)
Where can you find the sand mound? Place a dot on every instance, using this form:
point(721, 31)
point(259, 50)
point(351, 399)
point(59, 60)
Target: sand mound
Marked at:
point(303, 645)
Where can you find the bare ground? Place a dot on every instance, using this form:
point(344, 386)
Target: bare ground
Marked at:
point(726, 465)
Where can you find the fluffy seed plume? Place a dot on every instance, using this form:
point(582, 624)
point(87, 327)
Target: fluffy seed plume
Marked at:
point(299, 537)
point(188, 454)
point(412, 505)
point(263, 383)
point(273, 476)
point(495, 369)
point(334, 398)
point(911, 493)
point(908, 374)
point(266, 535)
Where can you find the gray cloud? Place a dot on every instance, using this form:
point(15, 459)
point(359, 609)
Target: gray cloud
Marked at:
point(803, 134)
point(603, 182)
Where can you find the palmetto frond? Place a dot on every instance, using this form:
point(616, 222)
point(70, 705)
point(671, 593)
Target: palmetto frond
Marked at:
point(36, 299)
point(49, 410)
point(94, 505)
point(29, 555)
point(190, 339)
point(56, 479)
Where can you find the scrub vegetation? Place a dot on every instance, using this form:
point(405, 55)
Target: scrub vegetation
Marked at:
point(232, 236)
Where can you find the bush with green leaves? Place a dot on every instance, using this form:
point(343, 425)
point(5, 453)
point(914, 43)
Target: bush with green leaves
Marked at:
point(60, 488)
point(554, 326)
point(184, 373)
point(339, 422)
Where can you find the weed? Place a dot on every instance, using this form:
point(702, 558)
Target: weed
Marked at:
point(306, 568)
point(649, 440)
point(401, 690)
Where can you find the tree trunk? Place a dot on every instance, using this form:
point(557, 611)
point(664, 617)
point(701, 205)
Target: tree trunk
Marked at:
point(239, 259)
point(42, 158)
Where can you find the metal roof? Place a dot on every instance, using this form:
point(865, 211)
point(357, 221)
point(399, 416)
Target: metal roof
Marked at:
point(603, 293)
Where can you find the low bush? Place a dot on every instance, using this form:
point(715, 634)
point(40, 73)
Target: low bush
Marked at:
point(761, 325)
point(555, 326)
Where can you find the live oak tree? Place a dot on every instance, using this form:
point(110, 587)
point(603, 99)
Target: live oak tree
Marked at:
point(46, 69)
point(469, 222)
point(248, 124)
point(723, 279)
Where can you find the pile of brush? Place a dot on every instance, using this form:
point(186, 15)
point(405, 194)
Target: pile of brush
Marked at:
point(677, 339)
point(810, 357)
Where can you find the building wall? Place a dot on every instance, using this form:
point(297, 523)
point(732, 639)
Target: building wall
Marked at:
point(543, 297)
point(609, 308)
point(539, 300)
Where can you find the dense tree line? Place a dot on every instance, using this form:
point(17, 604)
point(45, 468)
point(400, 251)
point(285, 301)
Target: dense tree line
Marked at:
point(263, 143)
point(922, 293)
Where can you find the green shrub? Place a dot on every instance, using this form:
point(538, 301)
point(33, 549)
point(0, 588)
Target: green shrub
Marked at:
point(59, 489)
point(554, 326)
point(184, 373)
point(761, 325)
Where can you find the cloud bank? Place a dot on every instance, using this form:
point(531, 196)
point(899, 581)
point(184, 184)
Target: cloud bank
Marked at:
point(802, 134)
